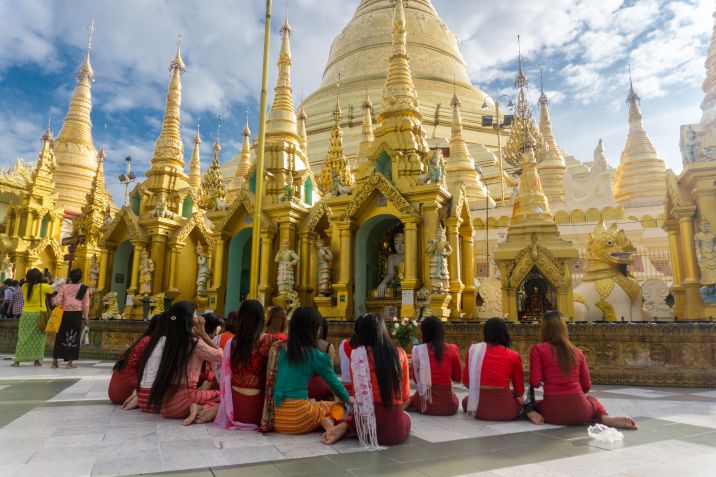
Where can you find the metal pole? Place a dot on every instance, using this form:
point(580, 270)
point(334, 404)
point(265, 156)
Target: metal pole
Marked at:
point(256, 231)
point(499, 153)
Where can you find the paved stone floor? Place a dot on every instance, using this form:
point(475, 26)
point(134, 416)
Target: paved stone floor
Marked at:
point(59, 423)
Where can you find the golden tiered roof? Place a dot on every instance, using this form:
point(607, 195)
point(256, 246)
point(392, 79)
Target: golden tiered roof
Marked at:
point(335, 161)
point(641, 176)
point(282, 117)
point(94, 212)
point(212, 184)
point(242, 168)
point(552, 168)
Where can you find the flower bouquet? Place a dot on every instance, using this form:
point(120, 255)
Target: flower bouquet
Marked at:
point(405, 331)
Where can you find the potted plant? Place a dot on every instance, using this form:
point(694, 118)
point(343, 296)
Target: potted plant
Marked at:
point(405, 331)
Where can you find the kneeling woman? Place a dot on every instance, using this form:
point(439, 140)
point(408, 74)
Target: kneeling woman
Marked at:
point(490, 367)
point(436, 365)
point(243, 370)
point(561, 367)
point(381, 382)
point(298, 361)
point(173, 391)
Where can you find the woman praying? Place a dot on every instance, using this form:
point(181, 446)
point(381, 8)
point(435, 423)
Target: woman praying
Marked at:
point(298, 361)
point(243, 370)
point(73, 297)
point(436, 365)
point(490, 368)
point(30, 338)
point(560, 367)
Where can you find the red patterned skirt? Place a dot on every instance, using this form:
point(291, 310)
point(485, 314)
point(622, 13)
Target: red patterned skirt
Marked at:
point(497, 405)
point(177, 406)
point(143, 398)
point(443, 401)
point(570, 409)
point(248, 409)
point(121, 385)
point(392, 422)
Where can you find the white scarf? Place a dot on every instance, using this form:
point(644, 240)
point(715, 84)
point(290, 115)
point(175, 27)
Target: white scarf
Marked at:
point(364, 410)
point(151, 368)
point(423, 377)
point(477, 357)
point(345, 363)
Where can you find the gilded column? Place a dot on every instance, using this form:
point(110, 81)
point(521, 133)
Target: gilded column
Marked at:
point(456, 284)
point(429, 225)
point(265, 266)
point(136, 258)
point(686, 226)
point(158, 254)
point(217, 277)
point(343, 287)
point(677, 266)
point(410, 280)
point(469, 293)
point(304, 265)
point(103, 272)
point(312, 284)
point(173, 254)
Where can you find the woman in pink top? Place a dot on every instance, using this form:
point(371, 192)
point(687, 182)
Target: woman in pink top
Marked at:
point(560, 367)
point(174, 386)
point(74, 300)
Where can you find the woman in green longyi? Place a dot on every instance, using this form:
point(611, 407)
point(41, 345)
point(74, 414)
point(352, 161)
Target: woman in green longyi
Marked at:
point(30, 340)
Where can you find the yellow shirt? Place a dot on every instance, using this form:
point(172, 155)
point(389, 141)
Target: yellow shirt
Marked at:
point(37, 300)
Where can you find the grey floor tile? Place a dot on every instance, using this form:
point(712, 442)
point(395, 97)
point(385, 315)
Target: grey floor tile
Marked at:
point(413, 453)
point(260, 470)
point(443, 467)
point(392, 470)
point(308, 466)
point(355, 460)
point(707, 439)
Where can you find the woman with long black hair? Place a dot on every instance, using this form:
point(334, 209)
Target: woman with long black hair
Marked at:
point(125, 373)
point(436, 365)
point(173, 369)
point(74, 300)
point(317, 387)
point(381, 382)
point(298, 361)
point(243, 370)
point(30, 338)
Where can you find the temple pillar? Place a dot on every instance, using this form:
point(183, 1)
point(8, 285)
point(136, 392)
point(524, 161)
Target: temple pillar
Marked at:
point(430, 222)
point(158, 255)
point(103, 261)
point(456, 286)
point(691, 282)
point(264, 266)
point(304, 266)
point(173, 256)
point(469, 293)
point(343, 288)
point(312, 286)
point(16, 226)
point(216, 286)
point(410, 279)
point(136, 258)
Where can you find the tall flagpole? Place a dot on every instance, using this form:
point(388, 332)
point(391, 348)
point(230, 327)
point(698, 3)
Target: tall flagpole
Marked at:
point(256, 231)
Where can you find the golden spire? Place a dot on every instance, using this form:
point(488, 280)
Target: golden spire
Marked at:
point(552, 168)
point(94, 211)
point(244, 164)
point(399, 95)
point(600, 160)
point(282, 117)
point(303, 137)
point(641, 176)
point(530, 205)
point(195, 165)
point(169, 149)
point(367, 137)
point(42, 182)
point(212, 184)
point(335, 162)
point(460, 167)
point(77, 128)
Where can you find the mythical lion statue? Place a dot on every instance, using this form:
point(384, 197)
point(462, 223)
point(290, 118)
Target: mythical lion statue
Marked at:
point(111, 311)
point(156, 304)
point(607, 290)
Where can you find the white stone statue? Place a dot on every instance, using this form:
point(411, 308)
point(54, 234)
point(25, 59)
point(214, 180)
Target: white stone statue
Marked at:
point(655, 292)
point(338, 188)
point(93, 272)
point(436, 170)
point(161, 210)
point(491, 293)
point(289, 190)
point(8, 268)
point(705, 244)
point(396, 263)
point(689, 143)
point(146, 271)
point(439, 249)
point(286, 259)
point(325, 264)
point(204, 273)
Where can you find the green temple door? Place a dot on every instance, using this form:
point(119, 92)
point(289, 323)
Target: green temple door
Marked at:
point(238, 270)
point(122, 272)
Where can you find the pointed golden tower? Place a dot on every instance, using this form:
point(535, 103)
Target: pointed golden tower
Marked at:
point(552, 167)
point(94, 211)
point(212, 184)
point(335, 161)
point(641, 175)
point(43, 182)
point(166, 173)
point(282, 117)
point(302, 119)
point(74, 149)
point(460, 167)
point(195, 165)
point(367, 137)
point(244, 164)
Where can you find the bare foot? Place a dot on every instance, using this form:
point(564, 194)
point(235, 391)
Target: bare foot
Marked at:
point(54, 364)
point(132, 402)
point(327, 423)
point(534, 417)
point(37, 363)
point(620, 422)
point(193, 412)
point(15, 364)
point(207, 415)
point(70, 366)
point(334, 434)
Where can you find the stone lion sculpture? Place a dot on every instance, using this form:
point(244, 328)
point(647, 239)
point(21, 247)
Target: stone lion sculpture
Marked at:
point(111, 311)
point(607, 290)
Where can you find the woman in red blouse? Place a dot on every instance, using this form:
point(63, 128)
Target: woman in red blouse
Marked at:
point(277, 323)
point(249, 357)
point(560, 367)
point(490, 368)
point(125, 374)
point(436, 365)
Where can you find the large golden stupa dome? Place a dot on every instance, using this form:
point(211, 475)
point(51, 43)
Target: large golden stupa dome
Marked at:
point(360, 56)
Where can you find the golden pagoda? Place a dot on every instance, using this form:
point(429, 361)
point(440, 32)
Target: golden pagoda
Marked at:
point(244, 164)
point(552, 167)
point(195, 165)
point(212, 184)
point(335, 164)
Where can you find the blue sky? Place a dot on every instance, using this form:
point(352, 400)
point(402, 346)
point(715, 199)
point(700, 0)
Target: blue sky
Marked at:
point(584, 47)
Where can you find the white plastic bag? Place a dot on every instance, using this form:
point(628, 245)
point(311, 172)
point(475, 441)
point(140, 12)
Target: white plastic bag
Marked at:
point(604, 433)
point(84, 338)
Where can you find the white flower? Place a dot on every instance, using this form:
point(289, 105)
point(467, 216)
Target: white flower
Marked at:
point(395, 318)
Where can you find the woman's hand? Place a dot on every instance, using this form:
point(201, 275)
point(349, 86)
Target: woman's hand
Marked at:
point(198, 328)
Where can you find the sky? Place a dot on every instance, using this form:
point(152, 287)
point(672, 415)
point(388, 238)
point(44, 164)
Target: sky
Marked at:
point(584, 48)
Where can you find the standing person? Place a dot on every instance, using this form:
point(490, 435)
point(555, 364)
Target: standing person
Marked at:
point(243, 370)
point(73, 297)
point(30, 340)
point(277, 323)
point(561, 368)
point(436, 365)
point(174, 374)
point(490, 367)
point(298, 361)
point(16, 301)
point(7, 289)
point(317, 387)
point(381, 382)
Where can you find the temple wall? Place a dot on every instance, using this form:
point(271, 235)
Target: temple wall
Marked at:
point(675, 354)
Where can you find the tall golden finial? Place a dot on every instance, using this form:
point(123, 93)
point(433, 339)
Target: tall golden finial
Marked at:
point(195, 165)
point(212, 185)
point(335, 165)
point(282, 117)
point(552, 167)
point(337, 110)
point(632, 97)
point(85, 69)
point(244, 164)
point(217, 144)
point(177, 64)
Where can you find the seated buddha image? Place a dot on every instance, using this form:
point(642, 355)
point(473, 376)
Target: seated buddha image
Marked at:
point(389, 286)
